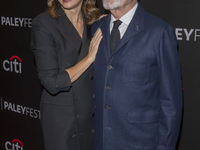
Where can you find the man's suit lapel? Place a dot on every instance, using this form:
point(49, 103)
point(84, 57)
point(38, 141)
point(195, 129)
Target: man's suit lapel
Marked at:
point(136, 25)
point(67, 29)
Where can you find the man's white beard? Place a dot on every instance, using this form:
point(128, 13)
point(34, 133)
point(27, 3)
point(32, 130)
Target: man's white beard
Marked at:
point(111, 5)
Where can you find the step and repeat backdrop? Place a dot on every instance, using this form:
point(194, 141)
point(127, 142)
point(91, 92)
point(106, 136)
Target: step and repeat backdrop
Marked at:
point(20, 88)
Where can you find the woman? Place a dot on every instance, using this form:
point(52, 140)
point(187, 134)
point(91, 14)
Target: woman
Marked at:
point(64, 54)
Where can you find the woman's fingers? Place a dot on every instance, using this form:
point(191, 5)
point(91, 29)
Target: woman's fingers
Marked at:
point(102, 16)
point(98, 41)
point(97, 35)
point(94, 44)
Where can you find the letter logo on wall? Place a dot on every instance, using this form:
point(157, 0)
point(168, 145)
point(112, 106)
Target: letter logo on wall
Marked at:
point(16, 21)
point(20, 109)
point(14, 145)
point(184, 34)
point(13, 65)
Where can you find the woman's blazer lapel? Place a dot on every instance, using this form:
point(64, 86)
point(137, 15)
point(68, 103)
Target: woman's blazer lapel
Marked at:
point(85, 42)
point(69, 32)
point(67, 29)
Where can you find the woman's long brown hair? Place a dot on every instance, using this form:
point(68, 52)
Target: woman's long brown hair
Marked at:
point(90, 10)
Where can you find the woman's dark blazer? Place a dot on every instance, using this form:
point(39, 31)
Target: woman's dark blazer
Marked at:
point(66, 108)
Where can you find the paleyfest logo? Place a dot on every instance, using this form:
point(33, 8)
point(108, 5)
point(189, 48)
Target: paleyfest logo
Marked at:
point(20, 109)
point(16, 21)
point(184, 34)
point(15, 144)
point(14, 64)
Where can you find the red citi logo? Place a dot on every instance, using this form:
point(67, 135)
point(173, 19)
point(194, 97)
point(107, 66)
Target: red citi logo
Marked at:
point(14, 145)
point(13, 65)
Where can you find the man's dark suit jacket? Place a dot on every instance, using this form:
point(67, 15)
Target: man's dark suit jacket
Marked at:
point(66, 108)
point(138, 89)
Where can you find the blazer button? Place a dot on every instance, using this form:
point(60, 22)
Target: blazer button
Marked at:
point(74, 135)
point(107, 107)
point(93, 96)
point(110, 67)
point(92, 130)
point(107, 87)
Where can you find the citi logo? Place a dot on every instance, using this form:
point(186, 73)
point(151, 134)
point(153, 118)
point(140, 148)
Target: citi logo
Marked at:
point(13, 64)
point(14, 145)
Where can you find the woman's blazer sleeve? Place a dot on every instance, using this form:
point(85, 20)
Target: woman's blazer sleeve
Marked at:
point(52, 78)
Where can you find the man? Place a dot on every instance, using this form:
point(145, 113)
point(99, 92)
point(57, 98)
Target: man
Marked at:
point(138, 93)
